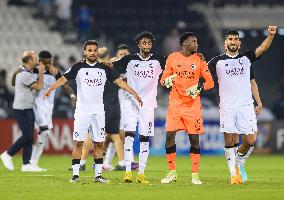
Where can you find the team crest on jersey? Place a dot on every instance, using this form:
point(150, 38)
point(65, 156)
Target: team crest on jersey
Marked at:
point(193, 66)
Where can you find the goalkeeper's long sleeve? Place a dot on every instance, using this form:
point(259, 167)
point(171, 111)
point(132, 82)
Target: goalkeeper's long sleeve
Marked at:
point(167, 72)
point(209, 83)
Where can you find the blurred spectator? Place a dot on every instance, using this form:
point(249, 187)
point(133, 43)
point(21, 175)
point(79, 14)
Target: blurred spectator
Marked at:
point(171, 42)
point(56, 63)
point(44, 9)
point(62, 105)
point(63, 14)
point(84, 19)
point(278, 108)
point(71, 60)
point(6, 98)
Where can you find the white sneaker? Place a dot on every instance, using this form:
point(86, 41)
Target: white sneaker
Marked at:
point(31, 168)
point(42, 169)
point(195, 179)
point(170, 177)
point(7, 161)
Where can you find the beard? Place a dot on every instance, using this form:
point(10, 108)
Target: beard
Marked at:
point(234, 49)
point(91, 59)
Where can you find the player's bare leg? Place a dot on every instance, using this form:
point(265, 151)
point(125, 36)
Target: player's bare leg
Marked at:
point(85, 151)
point(119, 150)
point(171, 157)
point(98, 160)
point(236, 142)
point(195, 157)
point(231, 156)
point(76, 156)
point(109, 151)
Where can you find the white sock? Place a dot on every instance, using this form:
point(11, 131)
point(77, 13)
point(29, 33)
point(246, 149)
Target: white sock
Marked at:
point(231, 160)
point(247, 155)
point(128, 151)
point(109, 154)
point(83, 162)
point(98, 169)
point(38, 147)
point(132, 157)
point(239, 159)
point(76, 169)
point(143, 156)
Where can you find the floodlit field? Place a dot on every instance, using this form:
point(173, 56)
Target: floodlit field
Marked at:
point(266, 181)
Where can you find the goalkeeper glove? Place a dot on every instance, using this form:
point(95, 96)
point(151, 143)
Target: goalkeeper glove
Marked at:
point(168, 82)
point(194, 90)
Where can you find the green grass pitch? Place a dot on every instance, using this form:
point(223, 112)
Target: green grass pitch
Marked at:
point(266, 181)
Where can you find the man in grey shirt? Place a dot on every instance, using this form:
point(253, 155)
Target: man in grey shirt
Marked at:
point(25, 87)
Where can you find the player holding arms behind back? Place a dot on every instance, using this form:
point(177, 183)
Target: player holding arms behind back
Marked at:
point(182, 73)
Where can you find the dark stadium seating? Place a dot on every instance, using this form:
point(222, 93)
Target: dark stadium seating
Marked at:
point(121, 20)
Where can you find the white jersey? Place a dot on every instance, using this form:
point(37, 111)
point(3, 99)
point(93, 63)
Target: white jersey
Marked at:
point(142, 75)
point(48, 103)
point(234, 75)
point(90, 80)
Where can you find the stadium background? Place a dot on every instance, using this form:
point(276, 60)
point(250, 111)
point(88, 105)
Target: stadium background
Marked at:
point(61, 26)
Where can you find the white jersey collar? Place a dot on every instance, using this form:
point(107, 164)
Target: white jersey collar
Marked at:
point(92, 64)
point(144, 59)
point(232, 56)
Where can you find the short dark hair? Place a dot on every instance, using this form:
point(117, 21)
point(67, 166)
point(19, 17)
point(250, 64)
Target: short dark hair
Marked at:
point(27, 58)
point(122, 47)
point(90, 42)
point(44, 55)
point(184, 36)
point(232, 32)
point(144, 34)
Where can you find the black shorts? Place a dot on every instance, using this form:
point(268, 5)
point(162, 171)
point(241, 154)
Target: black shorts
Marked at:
point(112, 117)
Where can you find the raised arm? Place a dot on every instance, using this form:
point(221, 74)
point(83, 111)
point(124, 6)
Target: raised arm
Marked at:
point(267, 42)
point(39, 84)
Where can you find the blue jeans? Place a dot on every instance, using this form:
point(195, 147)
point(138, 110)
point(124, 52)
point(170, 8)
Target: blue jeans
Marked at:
point(26, 120)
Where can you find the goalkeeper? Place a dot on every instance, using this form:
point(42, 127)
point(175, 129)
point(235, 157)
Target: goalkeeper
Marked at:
point(182, 74)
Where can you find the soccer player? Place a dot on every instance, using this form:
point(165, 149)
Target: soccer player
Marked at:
point(91, 77)
point(237, 114)
point(112, 116)
point(258, 109)
point(122, 50)
point(142, 72)
point(43, 109)
point(182, 73)
point(25, 87)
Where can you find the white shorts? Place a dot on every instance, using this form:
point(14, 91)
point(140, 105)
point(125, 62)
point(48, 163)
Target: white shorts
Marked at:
point(94, 124)
point(43, 118)
point(122, 96)
point(241, 120)
point(142, 116)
